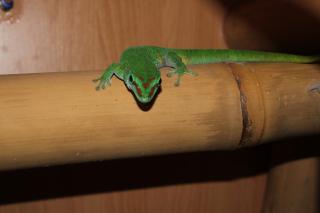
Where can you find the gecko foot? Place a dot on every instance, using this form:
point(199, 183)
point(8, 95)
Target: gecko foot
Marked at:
point(180, 72)
point(103, 83)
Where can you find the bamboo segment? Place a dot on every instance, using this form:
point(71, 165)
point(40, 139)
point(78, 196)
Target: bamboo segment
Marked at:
point(57, 118)
point(282, 100)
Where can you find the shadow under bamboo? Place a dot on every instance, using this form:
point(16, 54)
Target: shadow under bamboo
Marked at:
point(57, 118)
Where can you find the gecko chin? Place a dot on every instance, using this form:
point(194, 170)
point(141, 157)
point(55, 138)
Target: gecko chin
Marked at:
point(145, 97)
point(144, 100)
point(141, 98)
point(144, 89)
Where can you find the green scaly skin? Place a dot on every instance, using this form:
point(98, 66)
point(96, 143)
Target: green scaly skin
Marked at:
point(139, 66)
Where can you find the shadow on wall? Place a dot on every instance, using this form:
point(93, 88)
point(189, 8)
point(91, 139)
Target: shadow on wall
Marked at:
point(133, 173)
point(296, 170)
point(277, 25)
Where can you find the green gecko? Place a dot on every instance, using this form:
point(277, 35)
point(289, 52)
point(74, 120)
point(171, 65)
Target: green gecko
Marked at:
point(139, 66)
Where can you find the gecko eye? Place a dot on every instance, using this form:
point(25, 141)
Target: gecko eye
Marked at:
point(130, 78)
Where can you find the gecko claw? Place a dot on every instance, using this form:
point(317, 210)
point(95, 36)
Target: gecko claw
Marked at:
point(96, 80)
point(171, 73)
point(102, 84)
point(194, 74)
point(180, 73)
point(177, 83)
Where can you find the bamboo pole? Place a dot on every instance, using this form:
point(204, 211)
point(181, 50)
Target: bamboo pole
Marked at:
point(57, 118)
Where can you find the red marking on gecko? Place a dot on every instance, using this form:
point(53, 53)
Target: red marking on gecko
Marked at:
point(152, 90)
point(141, 78)
point(146, 85)
point(137, 88)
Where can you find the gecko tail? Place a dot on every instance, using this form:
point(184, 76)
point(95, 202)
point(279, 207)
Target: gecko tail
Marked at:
point(231, 55)
point(308, 59)
point(317, 59)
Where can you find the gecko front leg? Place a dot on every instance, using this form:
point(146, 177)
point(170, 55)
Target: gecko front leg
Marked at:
point(105, 79)
point(178, 67)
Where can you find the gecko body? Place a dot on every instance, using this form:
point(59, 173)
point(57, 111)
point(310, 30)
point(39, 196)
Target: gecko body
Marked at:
point(139, 66)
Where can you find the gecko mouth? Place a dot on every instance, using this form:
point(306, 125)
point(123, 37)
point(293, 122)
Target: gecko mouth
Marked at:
point(145, 100)
point(146, 103)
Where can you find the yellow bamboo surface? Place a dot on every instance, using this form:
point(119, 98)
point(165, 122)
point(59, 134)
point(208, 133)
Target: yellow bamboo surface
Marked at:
point(56, 118)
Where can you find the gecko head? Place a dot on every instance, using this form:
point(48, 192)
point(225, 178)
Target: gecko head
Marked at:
point(144, 88)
